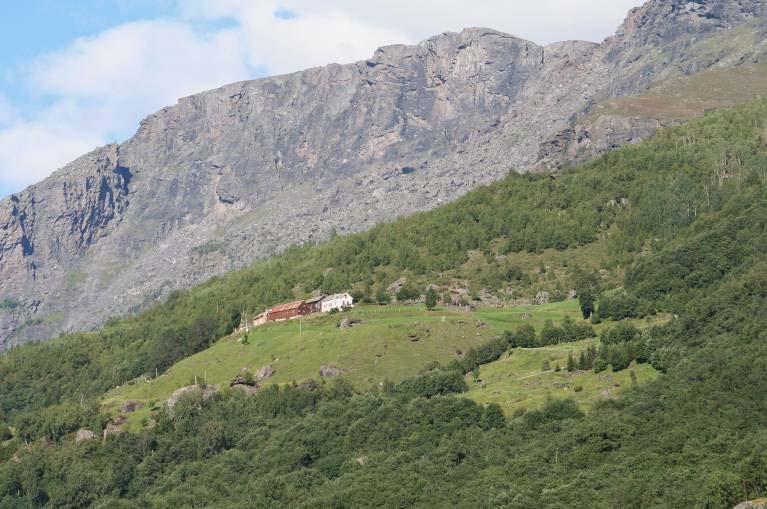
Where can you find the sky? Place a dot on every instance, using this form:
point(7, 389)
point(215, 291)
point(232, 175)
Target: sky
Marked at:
point(77, 74)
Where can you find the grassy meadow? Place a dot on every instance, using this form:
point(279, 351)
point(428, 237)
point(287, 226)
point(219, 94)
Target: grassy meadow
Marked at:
point(518, 381)
point(389, 343)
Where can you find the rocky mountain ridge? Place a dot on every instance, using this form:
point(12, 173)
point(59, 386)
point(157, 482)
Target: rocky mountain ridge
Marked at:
point(238, 173)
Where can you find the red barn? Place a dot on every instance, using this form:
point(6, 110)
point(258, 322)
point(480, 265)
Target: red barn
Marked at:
point(287, 311)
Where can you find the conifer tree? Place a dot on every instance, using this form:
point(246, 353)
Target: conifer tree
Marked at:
point(570, 363)
point(430, 298)
point(582, 361)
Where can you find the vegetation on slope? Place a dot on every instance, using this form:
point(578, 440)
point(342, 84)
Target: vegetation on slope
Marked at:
point(682, 99)
point(685, 213)
point(389, 344)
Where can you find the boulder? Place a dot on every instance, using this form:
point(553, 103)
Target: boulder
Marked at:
point(112, 429)
point(264, 373)
point(242, 380)
point(347, 323)
point(760, 503)
point(247, 389)
point(330, 371)
point(207, 393)
point(131, 406)
point(542, 298)
point(84, 434)
point(309, 385)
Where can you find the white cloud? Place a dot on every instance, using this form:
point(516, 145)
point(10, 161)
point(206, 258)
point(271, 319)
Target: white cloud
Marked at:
point(312, 37)
point(541, 21)
point(157, 60)
point(96, 89)
point(30, 151)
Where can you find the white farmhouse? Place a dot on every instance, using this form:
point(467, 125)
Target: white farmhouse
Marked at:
point(337, 301)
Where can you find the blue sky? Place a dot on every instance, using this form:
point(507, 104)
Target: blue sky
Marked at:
point(32, 28)
point(78, 74)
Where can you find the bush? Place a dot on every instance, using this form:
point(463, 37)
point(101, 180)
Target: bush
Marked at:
point(551, 335)
point(523, 338)
point(618, 306)
point(621, 333)
point(600, 364)
point(556, 410)
point(430, 298)
point(382, 297)
point(483, 354)
point(407, 293)
point(432, 384)
point(492, 417)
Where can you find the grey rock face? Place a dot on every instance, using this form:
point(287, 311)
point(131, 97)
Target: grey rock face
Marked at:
point(238, 173)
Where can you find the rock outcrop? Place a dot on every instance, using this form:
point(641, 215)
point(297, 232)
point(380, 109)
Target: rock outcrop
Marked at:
point(330, 371)
point(238, 173)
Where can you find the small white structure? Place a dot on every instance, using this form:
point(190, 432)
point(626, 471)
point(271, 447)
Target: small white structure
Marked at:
point(337, 301)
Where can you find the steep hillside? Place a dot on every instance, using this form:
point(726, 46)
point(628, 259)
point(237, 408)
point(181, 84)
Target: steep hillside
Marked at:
point(390, 343)
point(683, 219)
point(234, 174)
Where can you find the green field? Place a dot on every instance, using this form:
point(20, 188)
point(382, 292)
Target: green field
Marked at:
point(377, 349)
point(517, 381)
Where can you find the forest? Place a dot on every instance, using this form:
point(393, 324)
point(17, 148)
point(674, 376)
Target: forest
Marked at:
point(684, 216)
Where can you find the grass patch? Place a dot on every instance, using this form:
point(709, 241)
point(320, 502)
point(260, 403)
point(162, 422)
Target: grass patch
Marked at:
point(392, 343)
point(683, 99)
point(378, 349)
point(517, 382)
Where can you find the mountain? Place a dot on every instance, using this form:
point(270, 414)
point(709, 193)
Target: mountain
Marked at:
point(443, 408)
point(241, 172)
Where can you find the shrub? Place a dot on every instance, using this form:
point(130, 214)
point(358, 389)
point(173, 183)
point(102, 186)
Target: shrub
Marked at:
point(618, 306)
point(407, 293)
point(523, 338)
point(430, 298)
point(600, 364)
point(382, 297)
point(556, 410)
point(432, 384)
point(621, 333)
point(492, 417)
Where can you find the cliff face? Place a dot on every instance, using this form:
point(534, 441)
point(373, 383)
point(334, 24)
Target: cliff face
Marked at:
point(234, 174)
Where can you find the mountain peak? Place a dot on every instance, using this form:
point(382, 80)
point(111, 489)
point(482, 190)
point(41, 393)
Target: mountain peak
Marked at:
point(664, 18)
point(240, 172)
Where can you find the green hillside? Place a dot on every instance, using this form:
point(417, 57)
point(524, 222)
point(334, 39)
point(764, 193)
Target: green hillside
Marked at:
point(390, 343)
point(675, 226)
point(518, 382)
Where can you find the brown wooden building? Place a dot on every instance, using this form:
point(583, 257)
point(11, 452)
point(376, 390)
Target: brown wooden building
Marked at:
point(315, 304)
point(287, 311)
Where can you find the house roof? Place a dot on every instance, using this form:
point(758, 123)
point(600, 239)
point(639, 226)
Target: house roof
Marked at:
point(338, 296)
point(315, 299)
point(286, 307)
